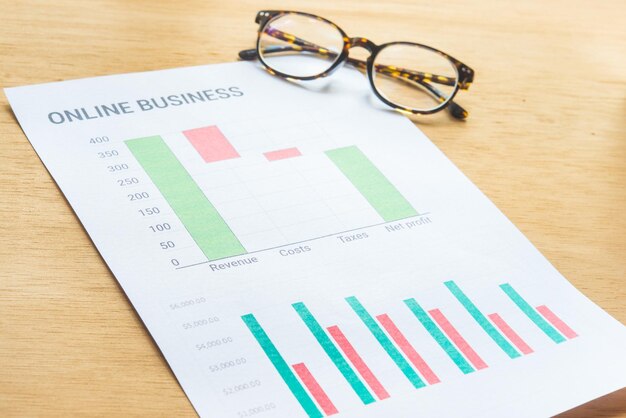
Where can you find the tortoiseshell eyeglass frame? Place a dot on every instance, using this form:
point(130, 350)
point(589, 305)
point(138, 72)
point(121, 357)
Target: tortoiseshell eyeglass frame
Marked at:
point(465, 75)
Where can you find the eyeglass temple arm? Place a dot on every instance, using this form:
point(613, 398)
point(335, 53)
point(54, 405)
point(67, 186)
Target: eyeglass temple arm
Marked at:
point(455, 109)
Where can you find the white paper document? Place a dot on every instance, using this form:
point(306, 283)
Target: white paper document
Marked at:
point(298, 250)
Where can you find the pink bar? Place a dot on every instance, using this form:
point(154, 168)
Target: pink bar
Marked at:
point(408, 349)
point(211, 144)
point(556, 322)
point(457, 339)
point(315, 389)
point(510, 334)
point(281, 154)
point(357, 362)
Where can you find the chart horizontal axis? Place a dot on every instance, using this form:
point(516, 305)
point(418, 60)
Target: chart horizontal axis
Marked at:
point(303, 241)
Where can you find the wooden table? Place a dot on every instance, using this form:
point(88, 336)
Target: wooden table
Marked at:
point(545, 141)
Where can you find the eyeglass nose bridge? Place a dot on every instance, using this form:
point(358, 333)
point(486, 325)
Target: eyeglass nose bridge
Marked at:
point(362, 43)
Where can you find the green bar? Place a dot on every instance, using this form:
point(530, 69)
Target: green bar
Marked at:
point(371, 183)
point(281, 366)
point(205, 225)
point(482, 320)
point(439, 336)
point(530, 312)
point(386, 343)
point(333, 353)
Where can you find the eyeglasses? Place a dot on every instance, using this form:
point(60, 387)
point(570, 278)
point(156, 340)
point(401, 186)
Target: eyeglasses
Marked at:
point(407, 76)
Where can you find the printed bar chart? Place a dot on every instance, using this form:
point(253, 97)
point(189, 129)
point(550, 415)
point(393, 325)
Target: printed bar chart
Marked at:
point(532, 314)
point(203, 222)
point(439, 336)
point(385, 342)
point(281, 366)
point(334, 354)
point(211, 144)
point(215, 218)
point(482, 320)
point(389, 339)
point(371, 183)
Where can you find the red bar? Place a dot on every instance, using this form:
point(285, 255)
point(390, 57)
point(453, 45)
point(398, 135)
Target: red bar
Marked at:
point(281, 154)
point(357, 362)
point(315, 389)
point(556, 322)
point(510, 334)
point(211, 144)
point(408, 349)
point(457, 339)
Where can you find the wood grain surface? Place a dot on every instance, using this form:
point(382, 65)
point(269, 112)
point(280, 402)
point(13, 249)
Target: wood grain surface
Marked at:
point(545, 141)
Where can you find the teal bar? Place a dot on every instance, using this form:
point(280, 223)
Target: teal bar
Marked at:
point(482, 320)
point(385, 342)
point(281, 366)
point(203, 222)
point(439, 336)
point(371, 183)
point(531, 313)
point(333, 353)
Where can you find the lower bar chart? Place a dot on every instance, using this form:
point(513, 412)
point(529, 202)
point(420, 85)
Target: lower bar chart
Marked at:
point(400, 345)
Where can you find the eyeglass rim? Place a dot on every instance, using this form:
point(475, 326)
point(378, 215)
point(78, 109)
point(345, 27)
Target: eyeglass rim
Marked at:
point(370, 75)
point(465, 74)
point(267, 16)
